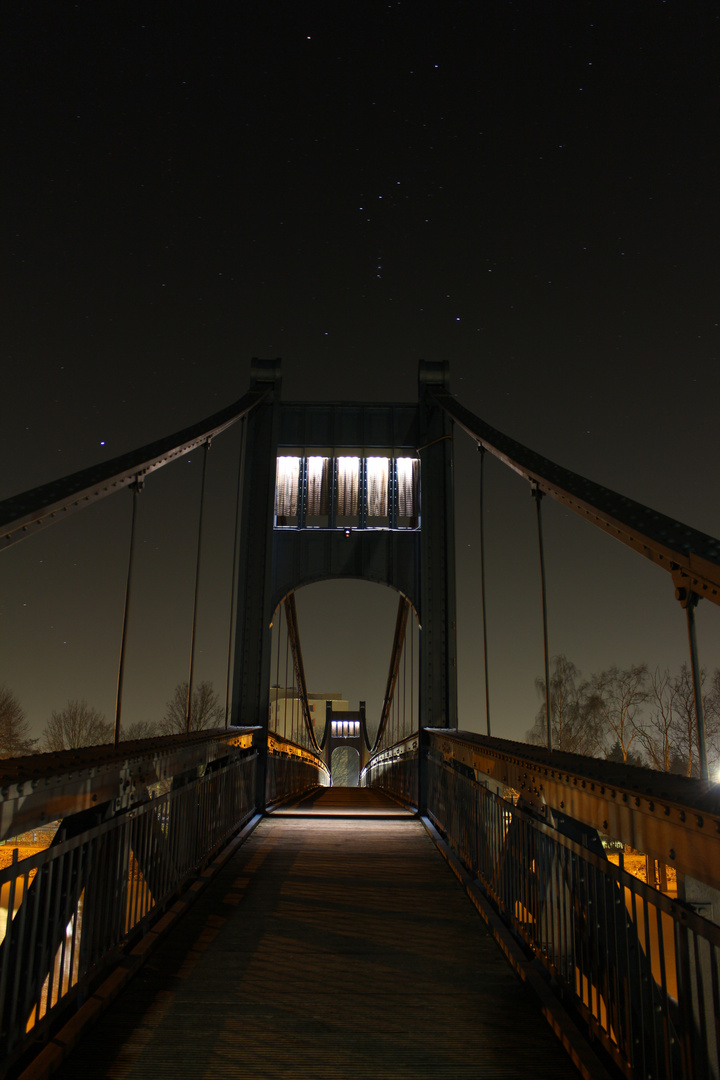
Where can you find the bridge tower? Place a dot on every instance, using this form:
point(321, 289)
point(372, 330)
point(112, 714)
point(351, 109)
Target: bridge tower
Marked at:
point(347, 490)
point(345, 729)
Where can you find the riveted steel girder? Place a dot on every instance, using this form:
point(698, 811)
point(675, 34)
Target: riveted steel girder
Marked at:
point(44, 787)
point(672, 818)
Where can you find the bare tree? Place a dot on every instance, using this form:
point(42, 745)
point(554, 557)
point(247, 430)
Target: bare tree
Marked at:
point(573, 714)
point(618, 694)
point(14, 727)
point(658, 733)
point(687, 733)
point(139, 729)
point(79, 724)
point(205, 711)
point(712, 717)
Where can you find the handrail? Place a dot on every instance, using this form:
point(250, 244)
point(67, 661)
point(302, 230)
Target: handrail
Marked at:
point(692, 557)
point(675, 819)
point(42, 787)
point(25, 514)
point(280, 746)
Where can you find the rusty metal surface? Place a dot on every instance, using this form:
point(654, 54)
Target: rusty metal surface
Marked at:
point(24, 514)
point(45, 787)
point(673, 818)
point(692, 557)
point(279, 745)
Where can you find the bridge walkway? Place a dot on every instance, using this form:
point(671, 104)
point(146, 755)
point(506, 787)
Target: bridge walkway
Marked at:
point(336, 942)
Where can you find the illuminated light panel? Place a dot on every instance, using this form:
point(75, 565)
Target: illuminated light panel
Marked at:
point(348, 486)
point(317, 491)
point(406, 469)
point(378, 471)
point(286, 486)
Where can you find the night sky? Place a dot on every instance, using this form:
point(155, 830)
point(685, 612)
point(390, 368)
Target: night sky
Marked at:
point(528, 190)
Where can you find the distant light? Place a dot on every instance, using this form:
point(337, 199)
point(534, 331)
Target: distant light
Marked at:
point(102, 442)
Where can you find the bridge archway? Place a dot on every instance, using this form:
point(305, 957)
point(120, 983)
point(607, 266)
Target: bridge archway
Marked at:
point(345, 767)
point(356, 490)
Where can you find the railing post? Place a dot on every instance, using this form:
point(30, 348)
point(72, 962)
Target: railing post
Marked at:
point(537, 495)
point(188, 703)
point(136, 488)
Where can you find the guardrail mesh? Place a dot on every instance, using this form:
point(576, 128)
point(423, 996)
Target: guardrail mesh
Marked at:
point(69, 909)
point(640, 969)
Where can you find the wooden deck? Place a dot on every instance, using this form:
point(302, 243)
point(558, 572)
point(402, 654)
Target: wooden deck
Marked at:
point(336, 942)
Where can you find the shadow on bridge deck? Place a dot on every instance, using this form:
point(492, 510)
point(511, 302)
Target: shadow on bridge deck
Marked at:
point(327, 947)
point(350, 802)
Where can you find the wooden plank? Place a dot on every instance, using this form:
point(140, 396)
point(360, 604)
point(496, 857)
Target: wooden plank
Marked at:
point(327, 947)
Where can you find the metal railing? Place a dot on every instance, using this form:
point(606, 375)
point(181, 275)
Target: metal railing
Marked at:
point(641, 970)
point(71, 908)
point(291, 770)
point(395, 770)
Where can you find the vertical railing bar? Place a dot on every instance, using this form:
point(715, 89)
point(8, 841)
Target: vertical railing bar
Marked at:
point(34, 925)
point(75, 917)
point(90, 914)
point(558, 914)
point(143, 883)
point(714, 951)
point(629, 929)
point(662, 960)
point(547, 906)
point(155, 855)
point(20, 921)
point(650, 1006)
point(700, 996)
point(593, 962)
point(8, 931)
point(639, 1038)
point(134, 868)
point(615, 987)
point(126, 873)
point(522, 876)
point(684, 996)
point(70, 861)
point(54, 865)
point(56, 924)
point(561, 927)
point(605, 886)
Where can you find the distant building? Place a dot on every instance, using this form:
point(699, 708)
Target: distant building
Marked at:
point(286, 709)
